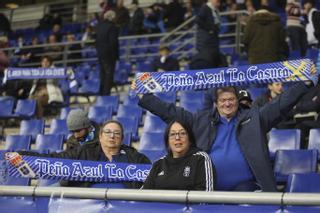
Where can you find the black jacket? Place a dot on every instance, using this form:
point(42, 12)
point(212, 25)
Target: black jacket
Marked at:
point(107, 43)
point(251, 128)
point(191, 172)
point(170, 64)
point(92, 152)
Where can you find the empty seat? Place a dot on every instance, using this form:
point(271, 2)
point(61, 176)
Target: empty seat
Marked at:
point(64, 113)
point(308, 183)
point(89, 87)
point(192, 106)
point(153, 123)
point(169, 97)
point(191, 95)
point(152, 141)
point(130, 100)
point(283, 139)
point(130, 125)
point(17, 142)
point(6, 107)
point(25, 109)
point(127, 139)
point(154, 155)
point(108, 100)
point(100, 114)
point(59, 127)
point(294, 161)
point(130, 111)
point(15, 181)
point(32, 127)
point(314, 140)
point(49, 143)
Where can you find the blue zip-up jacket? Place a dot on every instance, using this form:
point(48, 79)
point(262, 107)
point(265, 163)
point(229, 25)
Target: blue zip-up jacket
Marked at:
point(251, 128)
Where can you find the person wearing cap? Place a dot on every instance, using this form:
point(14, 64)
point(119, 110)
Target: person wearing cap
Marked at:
point(164, 62)
point(244, 99)
point(108, 148)
point(82, 129)
point(185, 167)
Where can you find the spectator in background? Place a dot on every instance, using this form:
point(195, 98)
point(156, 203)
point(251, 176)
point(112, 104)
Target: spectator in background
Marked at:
point(122, 17)
point(153, 21)
point(88, 35)
point(165, 62)
point(313, 25)
point(107, 46)
point(5, 26)
point(56, 30)
point(83, 130)
point(208, 27)
point(45, 23)
point(74, 50)
point(173, 15)
point(244, 98)
point(265, 37)
point(45, 91)
point(53, 50)
point(274, 90)
point(108, 148)
point(296, 31)
point(136, 20)
point(185, 167)
point(56, 19)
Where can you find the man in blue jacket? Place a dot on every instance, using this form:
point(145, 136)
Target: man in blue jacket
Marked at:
point(235, 138)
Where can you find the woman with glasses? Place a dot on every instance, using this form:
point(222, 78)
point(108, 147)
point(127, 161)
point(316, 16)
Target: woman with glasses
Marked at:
point(185, 167)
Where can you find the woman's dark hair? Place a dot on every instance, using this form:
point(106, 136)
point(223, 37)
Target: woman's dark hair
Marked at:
point(188, 129)
point(112, 121)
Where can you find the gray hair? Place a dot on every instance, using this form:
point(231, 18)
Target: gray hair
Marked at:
point(110, 15)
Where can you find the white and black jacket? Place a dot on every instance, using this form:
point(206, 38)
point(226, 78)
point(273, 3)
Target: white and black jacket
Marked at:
point(194, 171)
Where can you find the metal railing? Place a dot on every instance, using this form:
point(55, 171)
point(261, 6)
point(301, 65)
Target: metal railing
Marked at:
point(277, 198)
point(178, 39)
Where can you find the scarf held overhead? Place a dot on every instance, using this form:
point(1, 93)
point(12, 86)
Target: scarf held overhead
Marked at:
point(286, 71)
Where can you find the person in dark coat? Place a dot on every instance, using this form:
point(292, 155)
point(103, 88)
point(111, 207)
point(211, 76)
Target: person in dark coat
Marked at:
point(136, 21)
point(107, 46)
point(173, 15)
point(274, 90)
point(235, 138)
point(185, 167)
point(265, 38)
point(108, 148)
point(208, 27)
point(165, 62)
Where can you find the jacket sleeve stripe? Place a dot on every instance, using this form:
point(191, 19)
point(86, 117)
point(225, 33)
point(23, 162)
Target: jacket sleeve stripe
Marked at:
point(208, 170)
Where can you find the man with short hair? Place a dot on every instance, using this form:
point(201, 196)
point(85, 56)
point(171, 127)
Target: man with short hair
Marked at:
point(235, 138)
point(165, 62)
point(82, 129)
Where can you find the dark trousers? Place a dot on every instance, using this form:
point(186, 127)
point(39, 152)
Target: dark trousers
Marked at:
point(106, 76)
point(298, 39)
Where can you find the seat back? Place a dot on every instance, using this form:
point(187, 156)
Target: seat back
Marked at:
point(59, 127)
point(283, 139)
point(294, 161)
point(108, 100)
point(152, 141)
point(49, 143)
point(314, 140)
point(154, 155)
point(308, 183)
point(17, 142)
point(32, 127)
point(6, 106)
point(153, 123)
point(130, 125)
point(99, 114)
point(25, 108)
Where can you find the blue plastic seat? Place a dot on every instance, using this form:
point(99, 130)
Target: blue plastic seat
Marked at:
point(32, 127)
point(191, 95)
point(154, 155)
point(192, 106)
point(130, 111)
point(169, 97)
point(49, 143)
point(89, 87)
point(127, 138)
point(25, 108)
point(6, 107)
point(314, 140)
point(65, 112)
point(59, 127)
point(153, 123)
point(294, 161)
point(17, 181)
point(307, 183)
point(283, 139)
point(130, 125)
point(108, 100)
point(17, 142)
point(100, 114)
point(152, 141)
point(130, 100)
